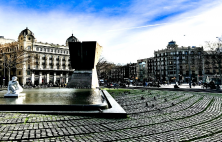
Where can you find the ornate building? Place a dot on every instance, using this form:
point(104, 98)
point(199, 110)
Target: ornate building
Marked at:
point(172, 64)
point(178, 63)
point(50, 62)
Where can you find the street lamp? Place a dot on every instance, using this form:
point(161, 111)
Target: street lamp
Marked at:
point(4, 70)
point(189, 66)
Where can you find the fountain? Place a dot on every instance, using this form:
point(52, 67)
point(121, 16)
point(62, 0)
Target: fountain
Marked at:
point(82, 95)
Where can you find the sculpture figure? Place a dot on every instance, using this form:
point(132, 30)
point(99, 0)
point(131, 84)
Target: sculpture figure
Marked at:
point(14, 86)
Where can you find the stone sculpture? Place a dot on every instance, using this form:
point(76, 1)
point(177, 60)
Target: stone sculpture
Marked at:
point(13, 88)
point(84, 56)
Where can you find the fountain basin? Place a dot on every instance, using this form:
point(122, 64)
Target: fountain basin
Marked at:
point(55, 100)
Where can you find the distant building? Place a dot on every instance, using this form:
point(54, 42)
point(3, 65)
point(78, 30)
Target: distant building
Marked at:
point(142, 69)
point(150, 69)
point(174, 63)
point(4, 40)
point(123, 73)
point(51, 63)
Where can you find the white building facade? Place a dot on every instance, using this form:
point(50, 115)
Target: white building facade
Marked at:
point(50, 62)
point(5, 40)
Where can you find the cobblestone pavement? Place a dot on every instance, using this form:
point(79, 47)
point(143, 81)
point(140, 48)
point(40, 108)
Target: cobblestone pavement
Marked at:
point(153, 116)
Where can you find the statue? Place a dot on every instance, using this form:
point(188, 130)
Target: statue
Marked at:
point(14, 86)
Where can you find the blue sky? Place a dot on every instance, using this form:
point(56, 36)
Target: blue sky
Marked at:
point(128, 30)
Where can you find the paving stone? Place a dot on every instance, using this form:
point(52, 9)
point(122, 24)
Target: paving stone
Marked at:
point(190, 118)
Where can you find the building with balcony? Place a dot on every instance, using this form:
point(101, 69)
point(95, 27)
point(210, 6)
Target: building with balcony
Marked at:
point(50, 62)
point(178, 63)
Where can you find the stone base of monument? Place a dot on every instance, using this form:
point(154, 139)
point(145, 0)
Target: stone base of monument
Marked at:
point(14, 95)
point(83, 79)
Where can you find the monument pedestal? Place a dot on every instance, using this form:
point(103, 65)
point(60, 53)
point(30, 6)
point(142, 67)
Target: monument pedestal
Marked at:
point(84, 79)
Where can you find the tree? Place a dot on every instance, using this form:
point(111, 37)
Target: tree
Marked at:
point(14, 57)
point(103, 67)
point(213, 55)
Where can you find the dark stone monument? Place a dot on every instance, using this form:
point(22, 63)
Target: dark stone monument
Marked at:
point(84, 56)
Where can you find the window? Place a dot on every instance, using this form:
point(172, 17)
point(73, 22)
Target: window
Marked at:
point(51, 50)
point(29, 38)
point(37, 49)
point(29, 47)
point(44, 49)
point(40, 49)
point(28, 72)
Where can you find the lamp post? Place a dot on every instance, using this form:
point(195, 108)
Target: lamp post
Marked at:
point(219, 40)
point(4, 70)
point(189, 66)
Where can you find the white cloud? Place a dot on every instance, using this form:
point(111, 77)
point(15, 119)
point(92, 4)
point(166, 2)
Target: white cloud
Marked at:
point(125, 38)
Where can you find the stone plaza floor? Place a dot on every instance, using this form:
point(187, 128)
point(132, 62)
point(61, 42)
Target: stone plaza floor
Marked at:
point(153, 115)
